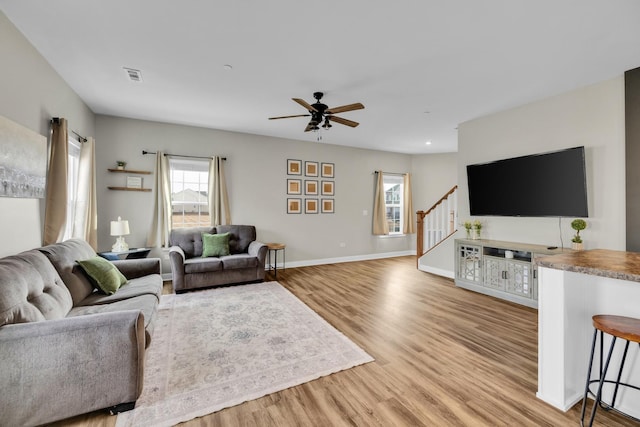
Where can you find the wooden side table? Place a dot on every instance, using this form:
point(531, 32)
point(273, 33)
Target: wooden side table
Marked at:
point(275, 247)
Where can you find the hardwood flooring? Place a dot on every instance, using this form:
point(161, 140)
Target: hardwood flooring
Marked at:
point(444, 357)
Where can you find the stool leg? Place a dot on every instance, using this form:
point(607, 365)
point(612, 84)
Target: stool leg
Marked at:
point(602, 377)
point(586, 387)
point(615, 392)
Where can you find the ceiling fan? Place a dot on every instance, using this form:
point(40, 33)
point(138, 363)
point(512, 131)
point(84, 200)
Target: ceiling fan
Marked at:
point(320, 113)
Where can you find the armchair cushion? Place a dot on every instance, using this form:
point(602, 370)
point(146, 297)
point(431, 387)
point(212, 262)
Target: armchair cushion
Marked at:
point(215, 245)
point(103, 274)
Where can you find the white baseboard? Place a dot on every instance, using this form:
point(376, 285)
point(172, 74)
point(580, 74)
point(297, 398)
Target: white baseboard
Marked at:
point(321, 261)
point(437, 271)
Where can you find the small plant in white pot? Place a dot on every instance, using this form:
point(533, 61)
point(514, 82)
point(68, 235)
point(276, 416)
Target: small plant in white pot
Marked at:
point(121, 164)
point(578, 225)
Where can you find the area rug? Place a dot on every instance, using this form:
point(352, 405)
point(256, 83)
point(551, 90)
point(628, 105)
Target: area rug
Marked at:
point(217, 348)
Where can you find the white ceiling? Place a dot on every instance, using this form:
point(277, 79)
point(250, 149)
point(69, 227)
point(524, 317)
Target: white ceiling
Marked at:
point(420, 67)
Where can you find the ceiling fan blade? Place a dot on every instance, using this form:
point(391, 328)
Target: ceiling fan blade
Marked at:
point(305, 104)
point(342, 109)
point(343, 121)
point(288, 117)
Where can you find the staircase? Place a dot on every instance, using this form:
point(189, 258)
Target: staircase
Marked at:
point(438, 223)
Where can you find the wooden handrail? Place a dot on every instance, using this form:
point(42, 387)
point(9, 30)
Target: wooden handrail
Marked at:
point(435, 205)
point(420, 220)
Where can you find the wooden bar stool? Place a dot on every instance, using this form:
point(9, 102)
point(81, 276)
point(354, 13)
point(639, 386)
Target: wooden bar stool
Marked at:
point(626, 328)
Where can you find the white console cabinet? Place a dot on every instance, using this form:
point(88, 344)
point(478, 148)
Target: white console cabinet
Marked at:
point(483, 266)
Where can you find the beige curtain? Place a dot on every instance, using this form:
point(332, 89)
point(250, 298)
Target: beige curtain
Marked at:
point(380, 226)
point(407, 211)
point(56, 202)
point(161, 221)
point(219, 211)
point(85, 224)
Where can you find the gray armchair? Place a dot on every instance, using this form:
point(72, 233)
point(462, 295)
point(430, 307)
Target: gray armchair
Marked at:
point(244, 264)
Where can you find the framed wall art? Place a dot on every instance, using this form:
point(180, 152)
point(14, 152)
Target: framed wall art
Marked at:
point(327, 170)
point(311, 187)
point(23, 161)
point(311, 206)
point(311, 168)
point(294, 167)
point(294, 206)
point(327, 206)
point(294, 186)
point(328, 188)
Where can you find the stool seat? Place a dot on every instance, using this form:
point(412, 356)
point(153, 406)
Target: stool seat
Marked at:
point(626, 328)
point(618, 327)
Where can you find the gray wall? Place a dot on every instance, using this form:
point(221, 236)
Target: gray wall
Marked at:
point(256, 179)
point(31, 93)
point(632, 157)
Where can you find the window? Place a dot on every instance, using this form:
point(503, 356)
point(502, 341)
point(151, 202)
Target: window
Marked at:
point(393, 191)
point(73, 166)
point(189, 192)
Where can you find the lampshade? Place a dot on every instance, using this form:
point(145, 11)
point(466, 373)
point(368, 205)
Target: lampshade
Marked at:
point(120, 227)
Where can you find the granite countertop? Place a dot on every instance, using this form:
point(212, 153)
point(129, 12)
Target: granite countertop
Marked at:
point(597, 262)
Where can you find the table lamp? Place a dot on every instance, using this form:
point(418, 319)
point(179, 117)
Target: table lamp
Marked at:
point(120, 228)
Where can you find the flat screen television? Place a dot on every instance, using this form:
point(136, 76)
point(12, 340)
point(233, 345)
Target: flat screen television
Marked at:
point(550, 184)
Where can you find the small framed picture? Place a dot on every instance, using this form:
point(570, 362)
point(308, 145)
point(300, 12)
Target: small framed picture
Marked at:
point(311, 206)
point(294, 186)
point(327, 206)
point(327, 188)
point(294, 206)
point(327, 170)
point(311, 187)
point(311, 168)
point(134, 182)
point(294, 167)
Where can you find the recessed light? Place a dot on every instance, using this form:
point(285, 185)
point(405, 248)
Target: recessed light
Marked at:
point(428, 142)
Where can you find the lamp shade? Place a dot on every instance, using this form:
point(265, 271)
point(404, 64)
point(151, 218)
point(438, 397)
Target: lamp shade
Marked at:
point(120, 227)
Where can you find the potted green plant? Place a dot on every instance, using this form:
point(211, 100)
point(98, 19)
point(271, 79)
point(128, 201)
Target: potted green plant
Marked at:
point(468, 225)
point(477, 226)
point(121, 164)
point(578, 225)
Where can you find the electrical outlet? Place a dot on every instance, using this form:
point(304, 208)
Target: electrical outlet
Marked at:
point(343, 245)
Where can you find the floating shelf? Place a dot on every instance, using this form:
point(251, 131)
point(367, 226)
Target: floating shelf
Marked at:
point(130, 171)
point(129, 189)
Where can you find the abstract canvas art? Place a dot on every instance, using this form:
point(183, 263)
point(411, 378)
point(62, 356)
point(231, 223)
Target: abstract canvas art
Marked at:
point(23, 161)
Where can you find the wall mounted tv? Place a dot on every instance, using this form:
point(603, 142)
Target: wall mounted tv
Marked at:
point(541, 185)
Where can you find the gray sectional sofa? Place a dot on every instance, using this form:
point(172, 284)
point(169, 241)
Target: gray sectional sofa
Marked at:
point(65, 348)
point(245, 262)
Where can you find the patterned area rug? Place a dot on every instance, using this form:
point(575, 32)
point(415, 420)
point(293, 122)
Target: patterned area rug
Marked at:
point(217, 348)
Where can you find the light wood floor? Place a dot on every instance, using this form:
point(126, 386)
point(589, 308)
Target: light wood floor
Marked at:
point(444, 357)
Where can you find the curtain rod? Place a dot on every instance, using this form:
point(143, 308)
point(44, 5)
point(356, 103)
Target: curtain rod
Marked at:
point(391, 173)
point(81, 138)
point(181, 155)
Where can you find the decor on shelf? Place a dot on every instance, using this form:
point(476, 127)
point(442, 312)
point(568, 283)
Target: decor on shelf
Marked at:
point(477, 226)
point(120, 165)
point(120, 228)
point(134, 182)
point(468, 226)
point(578, 225)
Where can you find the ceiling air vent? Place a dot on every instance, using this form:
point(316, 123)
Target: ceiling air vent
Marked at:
point(134, 75)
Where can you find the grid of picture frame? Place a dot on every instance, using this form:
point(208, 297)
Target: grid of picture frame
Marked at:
point(310, 187)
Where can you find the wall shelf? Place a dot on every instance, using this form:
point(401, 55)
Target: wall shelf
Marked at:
point(129, 189)
point(130, 171)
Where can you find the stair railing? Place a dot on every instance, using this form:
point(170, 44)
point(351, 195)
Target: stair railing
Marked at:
point(437, 223)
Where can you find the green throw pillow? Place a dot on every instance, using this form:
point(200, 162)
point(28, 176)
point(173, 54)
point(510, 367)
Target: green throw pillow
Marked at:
point(103, 274)
point(215, 244)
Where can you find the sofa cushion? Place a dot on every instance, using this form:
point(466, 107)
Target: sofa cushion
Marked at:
point(32, 290)
point(63, 256)
point(240, 237)
point(239, 261)
point(189, 239)
point(202, 265)
point(147, 285)
point(215, 244)
point(103, 274)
